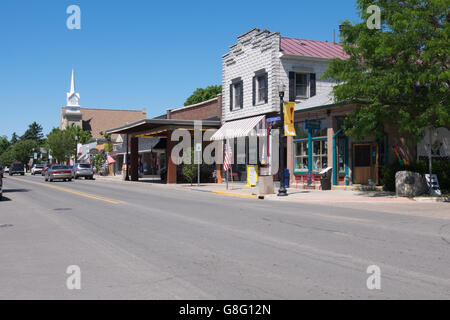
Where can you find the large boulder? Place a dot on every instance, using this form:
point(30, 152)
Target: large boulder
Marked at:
point(409, 184)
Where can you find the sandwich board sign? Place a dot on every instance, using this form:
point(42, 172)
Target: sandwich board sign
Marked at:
point(252, 175)
point(433, 184)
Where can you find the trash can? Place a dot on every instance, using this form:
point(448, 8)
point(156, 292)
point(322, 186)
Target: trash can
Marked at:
point(286, 178)
point(325, 180)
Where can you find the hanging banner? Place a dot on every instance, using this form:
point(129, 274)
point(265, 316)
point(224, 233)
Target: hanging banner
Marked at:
point(289, 130)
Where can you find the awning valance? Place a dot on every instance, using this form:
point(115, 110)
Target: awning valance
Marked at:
point(239, 128)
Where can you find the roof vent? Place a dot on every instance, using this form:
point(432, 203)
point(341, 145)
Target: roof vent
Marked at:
point(302, 43)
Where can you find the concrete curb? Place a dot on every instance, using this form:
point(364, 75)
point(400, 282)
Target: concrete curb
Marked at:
point(234, 194)
point(432, 199)
point(252, 196)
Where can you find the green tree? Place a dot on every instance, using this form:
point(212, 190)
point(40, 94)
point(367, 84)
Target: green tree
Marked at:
point(98, 161)
point(14, 138)
point(34, 132)
point(4, 144)
point(399, 75)
point(84, 136)
point(60, 144)
point(108, 145)
point(22, 151)
point(201, 95)
point(6, 158)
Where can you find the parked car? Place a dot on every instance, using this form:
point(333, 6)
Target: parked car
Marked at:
point(45, 169)
point(5, 170)
point(58, 172)
point(17, 168)
point(82, 170)
point(37, 168)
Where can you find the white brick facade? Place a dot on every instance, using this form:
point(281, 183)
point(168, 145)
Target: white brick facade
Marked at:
point(257, 50)
point(254, 51)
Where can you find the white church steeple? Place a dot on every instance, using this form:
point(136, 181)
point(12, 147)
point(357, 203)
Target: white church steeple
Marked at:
point(73, 97)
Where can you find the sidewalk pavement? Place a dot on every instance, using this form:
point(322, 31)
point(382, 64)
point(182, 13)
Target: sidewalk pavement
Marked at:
point(239, 189)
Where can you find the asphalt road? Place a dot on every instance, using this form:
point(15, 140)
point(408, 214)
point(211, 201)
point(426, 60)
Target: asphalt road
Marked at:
point(144, 241)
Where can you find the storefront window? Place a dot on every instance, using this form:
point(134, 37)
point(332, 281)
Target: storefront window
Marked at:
point(300, 130)
point(341, 154)
point(320, 155)
point(301, 156)
point(313, 146)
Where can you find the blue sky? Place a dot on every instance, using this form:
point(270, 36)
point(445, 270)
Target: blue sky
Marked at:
point(133, 54)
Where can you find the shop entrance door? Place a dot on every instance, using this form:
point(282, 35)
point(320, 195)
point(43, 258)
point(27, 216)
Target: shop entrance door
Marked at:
point(362, 168)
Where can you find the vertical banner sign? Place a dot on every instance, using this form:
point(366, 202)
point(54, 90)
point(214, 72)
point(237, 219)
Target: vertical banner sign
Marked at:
point(289, 130)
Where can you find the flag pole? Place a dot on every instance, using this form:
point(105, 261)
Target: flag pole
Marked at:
point(226, 178)
point(226, 171)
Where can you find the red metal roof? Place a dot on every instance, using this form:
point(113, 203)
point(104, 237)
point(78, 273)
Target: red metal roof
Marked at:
point(312, 48)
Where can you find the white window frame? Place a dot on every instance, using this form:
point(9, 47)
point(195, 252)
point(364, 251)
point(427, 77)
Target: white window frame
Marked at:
point(237, 102)
point(259, 99)
point(297, 97)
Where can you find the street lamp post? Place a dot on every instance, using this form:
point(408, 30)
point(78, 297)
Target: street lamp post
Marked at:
point(282, 191)
point(76, 150)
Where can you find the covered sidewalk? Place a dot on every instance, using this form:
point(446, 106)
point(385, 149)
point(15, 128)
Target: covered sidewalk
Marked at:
point(162, 129)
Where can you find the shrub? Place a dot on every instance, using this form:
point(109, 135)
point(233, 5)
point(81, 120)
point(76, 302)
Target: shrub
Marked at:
point(190, 170)
point(440, 168)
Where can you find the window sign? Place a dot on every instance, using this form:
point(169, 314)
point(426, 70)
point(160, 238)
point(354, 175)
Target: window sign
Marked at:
point(312, 124)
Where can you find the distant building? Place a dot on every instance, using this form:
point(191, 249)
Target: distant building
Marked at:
point(95, 120)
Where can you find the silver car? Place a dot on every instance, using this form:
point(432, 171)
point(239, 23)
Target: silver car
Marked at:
point(58, 172)
point(82, 170)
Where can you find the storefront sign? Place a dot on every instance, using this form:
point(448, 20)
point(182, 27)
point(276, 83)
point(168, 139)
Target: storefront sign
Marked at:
point(440, 145)
point(289, 130)
point(312, 124)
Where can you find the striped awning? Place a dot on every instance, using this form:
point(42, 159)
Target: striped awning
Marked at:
point(239, 128)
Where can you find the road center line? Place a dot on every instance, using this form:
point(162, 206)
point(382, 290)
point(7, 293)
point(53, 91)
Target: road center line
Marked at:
point(83, 194)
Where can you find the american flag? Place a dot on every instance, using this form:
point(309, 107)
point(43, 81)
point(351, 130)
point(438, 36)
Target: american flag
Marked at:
point(228, 155)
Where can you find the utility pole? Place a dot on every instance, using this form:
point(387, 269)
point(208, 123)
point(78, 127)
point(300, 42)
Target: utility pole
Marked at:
point(127, 178)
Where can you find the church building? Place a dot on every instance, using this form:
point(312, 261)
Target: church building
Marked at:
point(95, 120)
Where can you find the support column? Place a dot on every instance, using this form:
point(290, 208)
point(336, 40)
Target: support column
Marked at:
point(290, 158)
point(134, 159)
point(219, 173)
point(331, 146)
point(171, 166)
